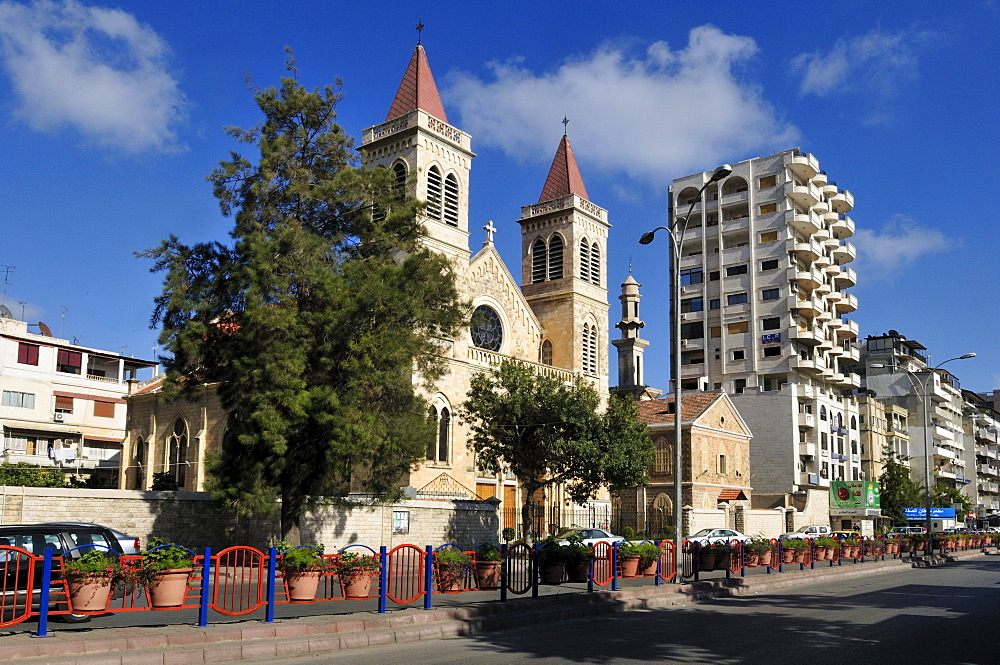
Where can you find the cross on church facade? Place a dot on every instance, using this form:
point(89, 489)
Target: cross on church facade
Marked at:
point(490, 230)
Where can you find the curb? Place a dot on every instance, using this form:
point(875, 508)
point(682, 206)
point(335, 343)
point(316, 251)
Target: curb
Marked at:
point(183, 644)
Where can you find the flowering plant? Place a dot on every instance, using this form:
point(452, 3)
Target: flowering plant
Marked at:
point(96, 564)
point(352, 563)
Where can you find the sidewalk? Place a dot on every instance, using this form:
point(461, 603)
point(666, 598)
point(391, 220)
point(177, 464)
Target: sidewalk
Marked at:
point(454, 615)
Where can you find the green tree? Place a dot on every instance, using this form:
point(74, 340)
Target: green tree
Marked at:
point(313, 321)
point(944, 495)
point(23, 474)
point(547, 433)
point(897, 489)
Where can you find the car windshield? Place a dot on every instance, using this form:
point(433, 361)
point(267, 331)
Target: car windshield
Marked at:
point(702, 533)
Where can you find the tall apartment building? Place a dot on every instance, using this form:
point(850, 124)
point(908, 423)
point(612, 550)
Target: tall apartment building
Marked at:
point(764, 279)
point(982, 425)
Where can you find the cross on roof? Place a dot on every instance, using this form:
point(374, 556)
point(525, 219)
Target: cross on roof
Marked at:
point(490, 230)
point(565, 122)
point(420, 30)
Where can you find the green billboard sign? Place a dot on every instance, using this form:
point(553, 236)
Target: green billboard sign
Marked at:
point(855, 497)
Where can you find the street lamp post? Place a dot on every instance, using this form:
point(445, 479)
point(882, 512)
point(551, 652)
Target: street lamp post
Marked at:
point(676, 234)
point(923, 390)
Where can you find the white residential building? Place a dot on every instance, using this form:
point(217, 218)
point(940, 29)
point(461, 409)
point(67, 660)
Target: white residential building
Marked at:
point(63, 404)
point(764, 279)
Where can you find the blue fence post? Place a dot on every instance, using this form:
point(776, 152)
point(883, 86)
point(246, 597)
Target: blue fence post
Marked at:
point(536, 571)
point(781, 557)
point(43, 596)
point(812, 554)
point(428, 576)
point(272, 567)
point(659, 562)
point(383, 578)
point(614, 566)
point(206, 567)
point(590, 573)
point(743, 560)
point(696, 560)
point(504, 566)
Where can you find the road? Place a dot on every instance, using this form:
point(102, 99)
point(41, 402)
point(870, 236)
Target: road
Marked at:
point(931, 616)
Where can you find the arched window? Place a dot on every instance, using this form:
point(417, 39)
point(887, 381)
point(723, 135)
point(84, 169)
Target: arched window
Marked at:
point(854, 422)
point(589, 348)
point(444, 435)
point(840, 420)
point(822, 412)
point(432, 442)
point(140, 464)
point(585, 260)
point(595, 264)
point(556, 257)
point(399, 178)
point(545, 354)
point(539, 261)
point(593, 350)
point(177, 444)
point(434, 193)
point(451, 200)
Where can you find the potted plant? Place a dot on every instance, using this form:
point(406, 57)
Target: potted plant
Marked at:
point(355, 571)
point(578, 562)
point(488, 562)
point(552, 560)
point(164, 572)
point(799, 547)
point(758, 551)
point(452, 566)
point(826, 548)
point(649, 556)
point(91, 578)
point(302, 566)
point(629, 555)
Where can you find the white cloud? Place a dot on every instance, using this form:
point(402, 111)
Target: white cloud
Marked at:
point(900, 243)
point(95, 69)
point(874, 63)
point(666, 114)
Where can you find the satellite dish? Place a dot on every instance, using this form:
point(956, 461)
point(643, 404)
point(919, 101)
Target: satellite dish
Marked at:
point(45, 329)
point(5, 312)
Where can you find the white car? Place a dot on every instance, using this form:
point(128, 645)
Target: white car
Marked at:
point(589, 536)
point(712, 536)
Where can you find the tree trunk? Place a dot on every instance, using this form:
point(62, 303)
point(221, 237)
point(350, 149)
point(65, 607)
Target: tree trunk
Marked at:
point(526, 522)
point(290, 524)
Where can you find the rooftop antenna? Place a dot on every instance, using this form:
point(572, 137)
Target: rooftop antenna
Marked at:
point(62, 326)
point(22, 303)
point(7, 270)
point(565, 121)
point(420, 29)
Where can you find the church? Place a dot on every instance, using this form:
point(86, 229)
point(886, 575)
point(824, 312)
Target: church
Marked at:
point(555, 318)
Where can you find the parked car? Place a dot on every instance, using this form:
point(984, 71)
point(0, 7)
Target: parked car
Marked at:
point(907, 530)
point(63, 538)
point(808, 532)
point(588, 536)
point(845, 535)
point(712, 536)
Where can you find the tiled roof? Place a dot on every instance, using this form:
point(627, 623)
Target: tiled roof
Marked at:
point(150, 386)
point(731, 495)
point(659, 410)
point(417, 90)
point(564, 175)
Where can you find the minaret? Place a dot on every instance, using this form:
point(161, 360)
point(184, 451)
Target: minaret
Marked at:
point(631, 379)
point(564, 241)
point(430, 156)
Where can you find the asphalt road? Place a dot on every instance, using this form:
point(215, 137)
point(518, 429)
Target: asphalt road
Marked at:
point(932, 616)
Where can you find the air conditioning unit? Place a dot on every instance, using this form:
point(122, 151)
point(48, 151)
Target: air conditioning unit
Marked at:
point(58, 417)
point(861, 475)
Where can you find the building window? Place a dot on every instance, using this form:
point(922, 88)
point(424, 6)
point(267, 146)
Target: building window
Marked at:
point(399, 176)
point(739, 354)
point(27, 354)
point(545, 357)
point(486, 329)
point(18, 399)
point(556, 257)
point(767, 182)
point(738, 327)
point(691, 276)
point(104, 409)
point(768, 236)
point(663, 457)
point(768, 208)
point(692, 305)
point(69, 362)
point(585, 260)
point(739, 385)
point(736, 298)
point(589, 348)
point(451, 200)
point(177, 451)
point(595, 264)
point(722, 464)
point(771, 323)
point(770, 294)
point(715, 331)
point(713, 276)
point(715, 303)
point(732, 271)
point(692, 330)
point(539, 261)
point(434, 193)
point(770, 264)
point(444, 435)
point(822, 412)
point(772, 351)
point(64, 404)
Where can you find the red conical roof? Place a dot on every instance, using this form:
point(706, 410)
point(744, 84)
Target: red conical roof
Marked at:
point(564, 175)
point(417, 90)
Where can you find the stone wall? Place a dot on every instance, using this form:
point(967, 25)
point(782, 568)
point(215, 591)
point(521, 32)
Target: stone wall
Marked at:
point(194, 520)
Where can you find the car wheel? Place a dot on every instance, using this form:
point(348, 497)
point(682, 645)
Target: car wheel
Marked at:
point(73, 618)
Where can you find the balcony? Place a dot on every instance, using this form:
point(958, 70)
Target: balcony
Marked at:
point(692, 370)
point(941, 433)
point(824, 315)
point(941, 473)
point(819, 179)
point(854, 456)
point(805, 166)
point(805, 420)
point(822, 207)
point(845, 253)
point(801, 364)
point(735, 255)
point(851, 353)
point(823, 289)
point(804, 196)
point(808, 251)
point(849, 329)
point(843, 202)
point(982, 433)
point(832, 244)
point(822, 236)
point(843, 227)
point(808, 307)
point(808, 278)
point(735, 224)
point(832, 270)
point(847, 304)
point(734, 198)
point(829, 189)
point(986, 469)
point(807, 449)
point(823, 261)
point(946, 453)
point(851, 380)
point(805, 335)
point(806, 223)
point(845, 279)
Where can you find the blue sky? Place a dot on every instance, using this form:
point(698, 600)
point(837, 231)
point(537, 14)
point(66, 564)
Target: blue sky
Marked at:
point(111, 116)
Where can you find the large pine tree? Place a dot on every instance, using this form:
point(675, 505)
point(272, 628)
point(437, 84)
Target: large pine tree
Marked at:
point(313, 320)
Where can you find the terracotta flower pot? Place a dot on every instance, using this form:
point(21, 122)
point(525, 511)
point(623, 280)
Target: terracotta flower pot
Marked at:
point(753, 559)
point(707, 561)
point(821, 553)
point(765, 558)
point(630, 566)
point(787, 556)
point(169, 588)
point(88, 594)
point(553, 574)
point(302, 585)
point(357, 585)
point(451, 578)
point(650, 570)
point(488, 574)
point(580, 572)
